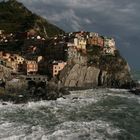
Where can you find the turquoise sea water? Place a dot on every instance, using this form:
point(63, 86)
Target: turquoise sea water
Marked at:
point(94, 114)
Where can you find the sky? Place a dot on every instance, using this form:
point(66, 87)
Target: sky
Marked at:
point(113, 18)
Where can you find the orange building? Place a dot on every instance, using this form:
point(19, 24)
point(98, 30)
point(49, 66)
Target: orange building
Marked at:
point(31, 67)
point(96, 41)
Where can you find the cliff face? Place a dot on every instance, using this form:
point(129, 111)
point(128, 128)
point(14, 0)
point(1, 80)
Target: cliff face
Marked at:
point(80, 73)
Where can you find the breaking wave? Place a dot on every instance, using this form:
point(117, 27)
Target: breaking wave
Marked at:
point(97, 114)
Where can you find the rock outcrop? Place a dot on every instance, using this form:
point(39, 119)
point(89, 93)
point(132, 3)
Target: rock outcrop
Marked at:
point(78, 74)
point(24, 94)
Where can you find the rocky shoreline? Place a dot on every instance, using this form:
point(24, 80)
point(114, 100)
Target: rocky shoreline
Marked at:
point(51, 91)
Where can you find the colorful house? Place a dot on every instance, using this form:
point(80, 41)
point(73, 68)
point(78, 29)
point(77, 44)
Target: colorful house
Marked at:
point(109, 42)
point(56, 67)
point(96, 41)
point(80, 43)
point(17, 58)
point(109, 46)
point(31, 67)
point(92, 34)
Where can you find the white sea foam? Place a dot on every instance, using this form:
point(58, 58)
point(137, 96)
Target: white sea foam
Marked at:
point(118, 90)
point(11, 129)
point(123, 93)
point(6, 104)
point(76, 98)
point(97, 130)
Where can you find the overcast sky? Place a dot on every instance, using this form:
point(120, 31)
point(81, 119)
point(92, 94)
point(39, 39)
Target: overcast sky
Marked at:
point(116, 18)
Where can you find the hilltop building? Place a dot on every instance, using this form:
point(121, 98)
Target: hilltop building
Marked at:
point(95, 40)
point(109, 46)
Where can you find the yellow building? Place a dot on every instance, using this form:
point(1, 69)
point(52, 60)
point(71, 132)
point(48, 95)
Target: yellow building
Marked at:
point(80, 43)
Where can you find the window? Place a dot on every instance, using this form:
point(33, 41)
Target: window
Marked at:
point(28, 79)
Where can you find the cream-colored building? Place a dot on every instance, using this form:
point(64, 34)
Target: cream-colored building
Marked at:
point(80, 43)
point(70, 44)
point(109, 46)
point(109, 42)
point(109, 51)
point(93, 34)
point(19, 59)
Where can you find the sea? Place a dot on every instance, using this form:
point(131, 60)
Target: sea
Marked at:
point(93, 114)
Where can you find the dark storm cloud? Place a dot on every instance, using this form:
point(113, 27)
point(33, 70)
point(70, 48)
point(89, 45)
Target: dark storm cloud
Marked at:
point(117, 18)
point(78, 14)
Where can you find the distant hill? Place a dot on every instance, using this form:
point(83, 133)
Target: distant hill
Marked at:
point(14, 16)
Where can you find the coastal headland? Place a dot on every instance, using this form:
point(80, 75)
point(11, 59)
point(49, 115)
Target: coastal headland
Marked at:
point(40, 61)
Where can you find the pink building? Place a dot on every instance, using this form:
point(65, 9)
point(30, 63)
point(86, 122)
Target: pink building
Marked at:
point(56, 67)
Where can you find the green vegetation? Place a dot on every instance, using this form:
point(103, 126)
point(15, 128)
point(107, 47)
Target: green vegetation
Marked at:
point(93, 54)
point(13, 46)
point(15, 17)
point(110, 63)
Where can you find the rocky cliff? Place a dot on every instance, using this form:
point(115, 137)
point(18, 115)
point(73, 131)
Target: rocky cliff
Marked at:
point(105, 71)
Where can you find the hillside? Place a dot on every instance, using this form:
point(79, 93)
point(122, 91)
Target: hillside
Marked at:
point(14, 16)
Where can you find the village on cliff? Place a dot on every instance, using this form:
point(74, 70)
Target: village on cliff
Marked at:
point(40, 58)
